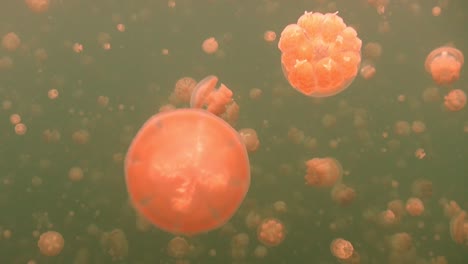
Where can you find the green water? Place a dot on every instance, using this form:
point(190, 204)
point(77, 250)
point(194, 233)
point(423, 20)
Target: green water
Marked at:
point(36, 194)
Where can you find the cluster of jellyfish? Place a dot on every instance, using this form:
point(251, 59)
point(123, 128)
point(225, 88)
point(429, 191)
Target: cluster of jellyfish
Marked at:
point(320, 57)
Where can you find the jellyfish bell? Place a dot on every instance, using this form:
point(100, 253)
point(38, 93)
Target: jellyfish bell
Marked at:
point(187, 171)
point(444, 64)
point(320, 54)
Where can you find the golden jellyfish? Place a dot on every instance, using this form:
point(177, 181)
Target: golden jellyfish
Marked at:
point(329, 120)
point(115, 244)
point(271, 232)
point(250, 139)
point(260, 252)
point(38, 6)
point(444, 64)
point(53, 94)
point(20, 129)
point(269, 36)
point(397, 207)
point(457, 227)
point(15, 119)
point(210, 45)
point(320, 54)
point(418, 127)
point(439, 260)
point(183, 89)
point(420, 153)
point(240, 240)
point(255, 93)
point(238, 254)
point(401, 242)
point(414, 206)
point(7, 234)
point(205, 94)
point(51, 243)
point(436, 10)
point(103, 101)
point(232, 113)
point(431, 95)
point(402, 128)
point(387, 218)
point(368, 70)
point(451, 208)
point(280, 207)
point(11, 41)
point(455, 100)
point(296, 135)
point(341, 248)
point(178, 247)
point(6, 63)
point(239, 246)
point(343, 195)
point(372, 50)
point(187, 171)
point(323, 172)
point(80, 137)
point(75, 174)
point(253, 219)
point(51, 135)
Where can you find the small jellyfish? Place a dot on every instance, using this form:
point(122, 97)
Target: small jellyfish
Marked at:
point(401, 242)
point(253, 219)
point(250, 139)
point(323, 172)
point(115, 244)
point(38, 6)
point(457, 230)
point(75, 174)
point(368, 70)
point(372, 50)
point(240, 240)
point(418, 127)
point(269, 36)
point(444, 64)
point(183, 89)
point(414, 206)
point(431, 95)
point(51, 243)
point(255, 93)
point(455, 100)
point(260, 252)
point(280, 207)
point(341, 248)
point(343, 195)
point(215, 100)
point(387, 218)
point(451, 208)
point(20, 129)
point(11, 41)
point(402, 128)
point(271, 232)
point(210, 45)
point(178, 247)
point(397, 207)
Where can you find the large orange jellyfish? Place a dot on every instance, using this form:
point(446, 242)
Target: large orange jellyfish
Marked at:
point(320, 54)
point(187, 171)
